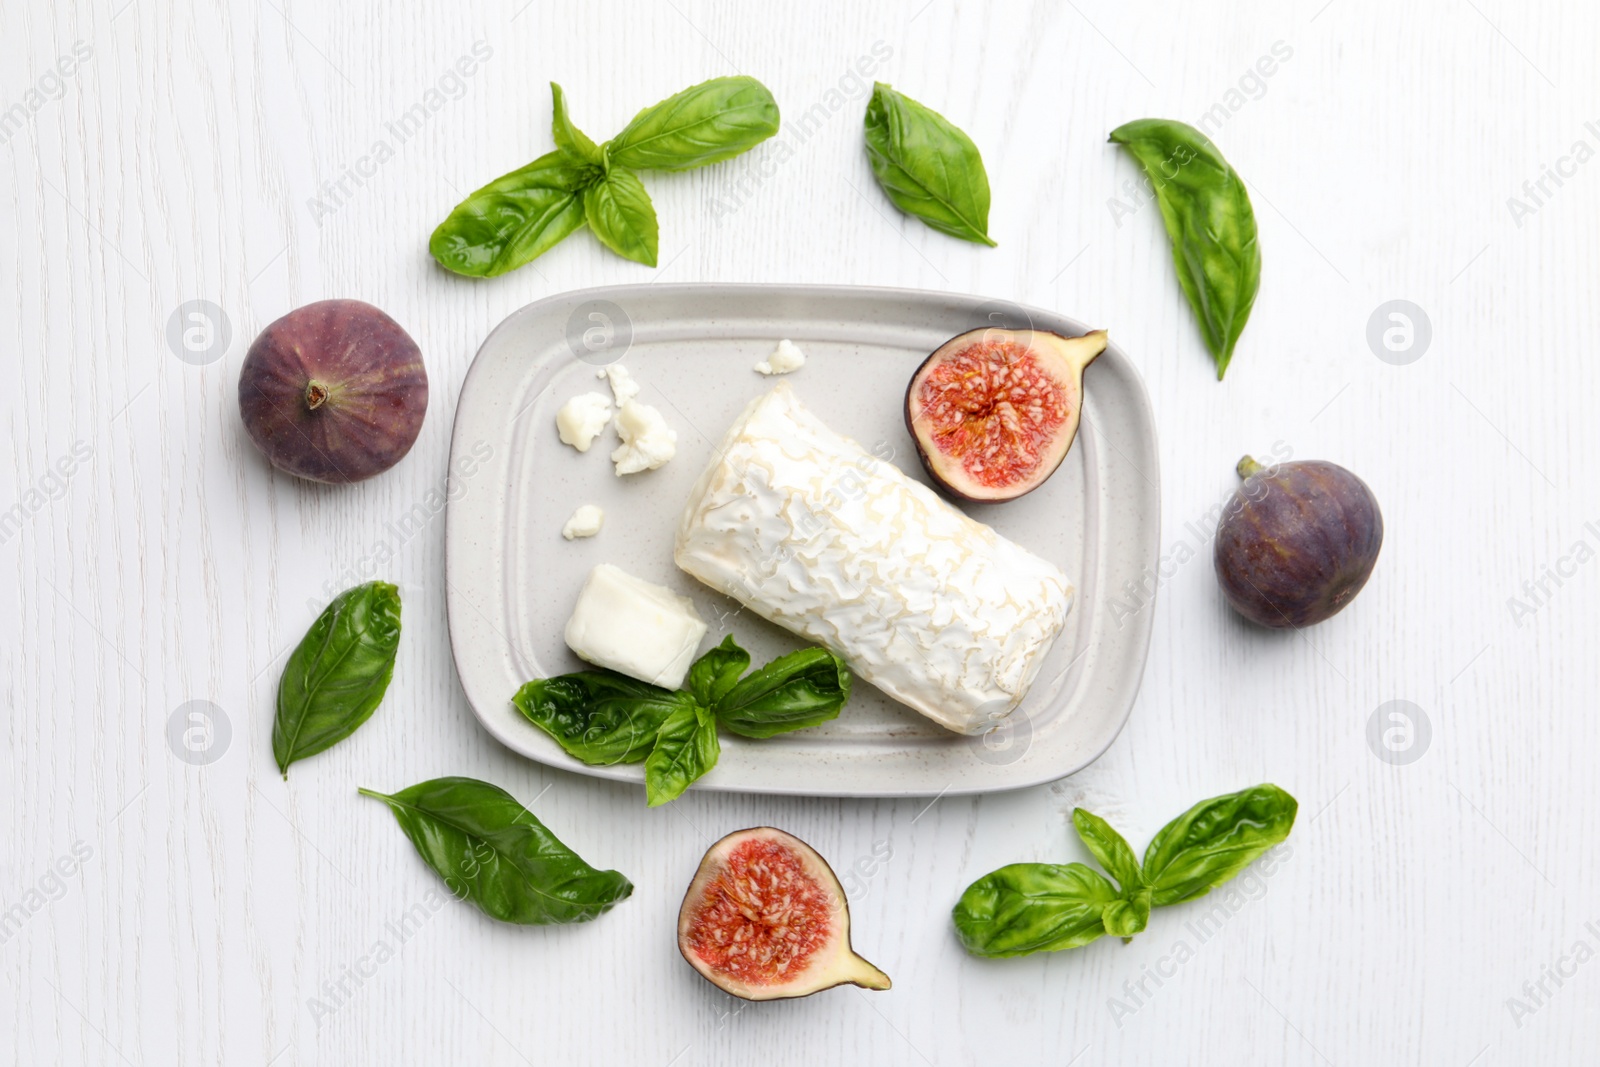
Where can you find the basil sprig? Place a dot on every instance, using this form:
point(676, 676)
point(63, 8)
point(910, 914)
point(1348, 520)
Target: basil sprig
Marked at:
point(491, 850)
point(927, 166)
point(520, 216)
point(337, 675)
point(604, 718)
point(1207, 212)
point(1044, 907)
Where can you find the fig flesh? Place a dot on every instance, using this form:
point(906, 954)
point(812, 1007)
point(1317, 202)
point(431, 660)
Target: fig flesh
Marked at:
point(765, 919)
point(1296, 542)
point(334, 391)
point(993, 412)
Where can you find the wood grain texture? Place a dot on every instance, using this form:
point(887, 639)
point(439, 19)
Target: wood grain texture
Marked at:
point(180, 161)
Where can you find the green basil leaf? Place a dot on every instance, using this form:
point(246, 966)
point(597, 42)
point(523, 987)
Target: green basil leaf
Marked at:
point(706, 123)
point(686, 748)
point(1207, 212)
point(514, 219)
point(337, 675)
point(571, 140)
point(802, 689)
point(1033, 907)
point(927, 166)
point(1126, 917)
point(621, 215)
point(1110, 848)
point(1215, 840)
point(489, 849)
point(600, 717)
point(718, 671)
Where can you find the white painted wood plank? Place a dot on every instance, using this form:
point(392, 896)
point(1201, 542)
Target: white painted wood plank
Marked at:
point(176, 163)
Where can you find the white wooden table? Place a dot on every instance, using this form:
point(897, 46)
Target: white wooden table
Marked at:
point(213, 913)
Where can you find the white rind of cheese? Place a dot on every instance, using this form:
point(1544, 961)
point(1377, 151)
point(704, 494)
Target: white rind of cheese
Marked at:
point(582, 419)
point(634, 627)
point(785, 358)
point(815, 534)
point(585, 522)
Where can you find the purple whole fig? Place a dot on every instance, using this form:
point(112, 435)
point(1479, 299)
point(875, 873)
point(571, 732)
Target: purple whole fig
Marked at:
point(334, 391)
point(1296, 542)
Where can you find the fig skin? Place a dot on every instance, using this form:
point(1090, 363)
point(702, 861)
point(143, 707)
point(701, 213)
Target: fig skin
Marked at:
point(1296, 542)
point(1062, 359)
point(334, 391)
point(835, 963)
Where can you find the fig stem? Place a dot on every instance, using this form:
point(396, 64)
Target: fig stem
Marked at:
point(316, 394)
point(1248, 466)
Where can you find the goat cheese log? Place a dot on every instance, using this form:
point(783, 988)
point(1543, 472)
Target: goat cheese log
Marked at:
point(812, 532)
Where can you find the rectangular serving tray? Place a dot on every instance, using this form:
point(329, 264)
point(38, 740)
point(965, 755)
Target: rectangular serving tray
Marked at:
point(512, 579)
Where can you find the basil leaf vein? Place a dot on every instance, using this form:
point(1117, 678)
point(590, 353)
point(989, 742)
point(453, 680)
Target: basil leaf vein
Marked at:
point(1206, 210)
point(706, 123)
point(1215, 840)
point(685, 749)
point(801, 689)
point(600, 717)
point(927, 166)
point(337, 675)
point(491, 850)
point(621, 215)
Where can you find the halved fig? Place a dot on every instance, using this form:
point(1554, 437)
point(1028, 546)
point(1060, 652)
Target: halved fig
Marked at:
point(994, 411)
point(765, 919)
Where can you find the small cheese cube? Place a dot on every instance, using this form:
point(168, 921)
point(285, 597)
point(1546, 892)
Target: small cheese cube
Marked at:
point(634, 627)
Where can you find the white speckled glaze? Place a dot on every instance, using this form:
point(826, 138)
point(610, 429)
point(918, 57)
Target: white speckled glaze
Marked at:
point(512, 579)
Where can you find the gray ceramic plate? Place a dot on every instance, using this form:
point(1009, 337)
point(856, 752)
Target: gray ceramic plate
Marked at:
point(512, 579)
